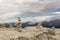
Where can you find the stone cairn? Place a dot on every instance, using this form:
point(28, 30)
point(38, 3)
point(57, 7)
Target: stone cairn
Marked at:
point(11, 25)
point(51, 33)
point(39, 26)
point(19, 28)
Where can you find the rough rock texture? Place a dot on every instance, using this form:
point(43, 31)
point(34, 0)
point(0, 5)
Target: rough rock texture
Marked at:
point(30, 33)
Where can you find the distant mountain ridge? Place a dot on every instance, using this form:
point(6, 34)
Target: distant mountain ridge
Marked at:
point(25, 24)
point(48, 24)
point(52, 23)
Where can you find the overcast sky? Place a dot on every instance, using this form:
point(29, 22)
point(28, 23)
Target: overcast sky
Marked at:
point(29, 10)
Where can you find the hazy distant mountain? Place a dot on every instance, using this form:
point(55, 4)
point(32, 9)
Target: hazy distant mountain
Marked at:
point(8, 24)
point(52, 23)
point(49, 24)
point(24, 24)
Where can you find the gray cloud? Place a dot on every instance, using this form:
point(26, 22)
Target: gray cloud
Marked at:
point(26, 6)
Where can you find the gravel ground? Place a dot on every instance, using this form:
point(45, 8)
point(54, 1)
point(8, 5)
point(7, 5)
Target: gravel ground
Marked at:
point(29, 33)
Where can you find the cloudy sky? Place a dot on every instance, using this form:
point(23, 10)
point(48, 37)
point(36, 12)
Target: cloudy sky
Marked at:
point(29, 10)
